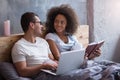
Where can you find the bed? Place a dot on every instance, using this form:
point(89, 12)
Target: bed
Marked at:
point(92, 70)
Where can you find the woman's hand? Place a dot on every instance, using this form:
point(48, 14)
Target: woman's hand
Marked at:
point(93, 55)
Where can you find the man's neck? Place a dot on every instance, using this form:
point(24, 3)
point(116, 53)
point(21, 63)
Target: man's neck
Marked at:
point(29, 37)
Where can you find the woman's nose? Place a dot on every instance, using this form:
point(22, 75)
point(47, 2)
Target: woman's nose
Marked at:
point(59, 23)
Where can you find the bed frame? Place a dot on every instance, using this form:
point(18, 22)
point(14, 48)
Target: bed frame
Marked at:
point(6, 43)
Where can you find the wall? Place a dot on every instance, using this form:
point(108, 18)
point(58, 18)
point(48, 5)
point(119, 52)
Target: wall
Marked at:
point(13, 9)
point(106, 27)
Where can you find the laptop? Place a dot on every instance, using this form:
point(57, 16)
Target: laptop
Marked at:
point(68, 61)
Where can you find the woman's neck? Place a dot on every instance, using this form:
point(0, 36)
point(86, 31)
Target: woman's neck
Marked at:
point(63, 37)
point(60, 34)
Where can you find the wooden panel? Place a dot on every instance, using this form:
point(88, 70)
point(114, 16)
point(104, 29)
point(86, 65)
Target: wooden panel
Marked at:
point(82, 35)
point(6, 44)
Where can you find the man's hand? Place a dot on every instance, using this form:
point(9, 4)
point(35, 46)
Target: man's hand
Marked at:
point(50, 64)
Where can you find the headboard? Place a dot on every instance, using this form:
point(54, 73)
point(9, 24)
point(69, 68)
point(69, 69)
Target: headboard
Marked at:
point(6, 43)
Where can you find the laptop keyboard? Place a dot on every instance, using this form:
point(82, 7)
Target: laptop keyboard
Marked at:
point(53, 70)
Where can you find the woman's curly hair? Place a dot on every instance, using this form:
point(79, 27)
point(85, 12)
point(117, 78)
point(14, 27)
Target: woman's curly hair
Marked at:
point(70, 15)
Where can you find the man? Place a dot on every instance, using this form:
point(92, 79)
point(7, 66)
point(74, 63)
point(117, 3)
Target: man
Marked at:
point(31, 53)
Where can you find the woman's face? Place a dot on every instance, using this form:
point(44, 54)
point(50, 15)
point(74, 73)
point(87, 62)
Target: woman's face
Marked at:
point(60, 23)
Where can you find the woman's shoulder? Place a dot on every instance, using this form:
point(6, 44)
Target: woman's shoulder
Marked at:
point(50, 35)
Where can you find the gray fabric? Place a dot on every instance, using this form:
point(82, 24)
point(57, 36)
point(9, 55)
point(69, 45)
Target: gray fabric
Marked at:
point(92, 70)
point(7, 71)
point(103, 70)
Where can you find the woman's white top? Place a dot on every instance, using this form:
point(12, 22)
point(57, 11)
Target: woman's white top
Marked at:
point(72, 44)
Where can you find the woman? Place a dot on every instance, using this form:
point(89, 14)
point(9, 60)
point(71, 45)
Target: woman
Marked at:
point(61, 24)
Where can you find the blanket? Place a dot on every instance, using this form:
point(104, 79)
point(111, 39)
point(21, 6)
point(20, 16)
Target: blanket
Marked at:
point(91, 70)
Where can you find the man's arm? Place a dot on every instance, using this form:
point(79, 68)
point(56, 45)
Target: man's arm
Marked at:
point(26, 71)
point(23, 70)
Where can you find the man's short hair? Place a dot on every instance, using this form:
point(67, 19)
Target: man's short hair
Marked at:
point(26, 18)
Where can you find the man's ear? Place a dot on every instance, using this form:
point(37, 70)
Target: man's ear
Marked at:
point(31, 24)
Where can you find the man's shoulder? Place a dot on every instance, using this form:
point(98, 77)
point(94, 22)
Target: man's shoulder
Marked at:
point(39, 39)
point(21, 40)
point(17, 45)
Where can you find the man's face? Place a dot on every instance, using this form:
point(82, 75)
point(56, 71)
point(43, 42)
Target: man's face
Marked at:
point(37, 27)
